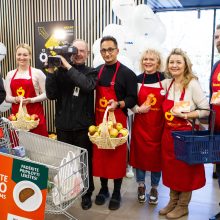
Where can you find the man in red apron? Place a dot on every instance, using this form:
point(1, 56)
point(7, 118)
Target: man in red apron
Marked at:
point(117, 87)
point(215, 87)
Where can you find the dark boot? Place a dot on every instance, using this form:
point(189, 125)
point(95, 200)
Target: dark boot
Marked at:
point(174, 197)
point(86, 201)
point(115, 201)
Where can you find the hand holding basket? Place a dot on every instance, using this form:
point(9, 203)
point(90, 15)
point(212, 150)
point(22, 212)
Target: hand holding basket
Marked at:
point(21, 122)
point(102, 137)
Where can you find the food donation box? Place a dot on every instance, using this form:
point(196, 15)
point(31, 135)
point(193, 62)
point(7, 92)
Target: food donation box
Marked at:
point(23, 189)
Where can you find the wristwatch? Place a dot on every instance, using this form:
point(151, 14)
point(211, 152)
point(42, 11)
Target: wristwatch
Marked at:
point(118, 105)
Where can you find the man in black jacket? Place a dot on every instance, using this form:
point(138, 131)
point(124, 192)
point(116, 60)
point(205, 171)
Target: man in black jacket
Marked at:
point(72, 86)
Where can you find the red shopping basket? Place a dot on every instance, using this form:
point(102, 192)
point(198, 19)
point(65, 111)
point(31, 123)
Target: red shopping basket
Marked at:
point(197, 147)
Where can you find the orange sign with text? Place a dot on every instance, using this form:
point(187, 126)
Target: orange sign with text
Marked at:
point(23, 189)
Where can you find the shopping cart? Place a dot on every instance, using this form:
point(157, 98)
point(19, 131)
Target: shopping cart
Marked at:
point(198, 147)
point(50, 153)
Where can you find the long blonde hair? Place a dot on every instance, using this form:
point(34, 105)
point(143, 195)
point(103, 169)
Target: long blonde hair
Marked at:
point(188, 73)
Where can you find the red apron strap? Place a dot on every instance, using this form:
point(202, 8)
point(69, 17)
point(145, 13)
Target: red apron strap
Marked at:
point(169, 88)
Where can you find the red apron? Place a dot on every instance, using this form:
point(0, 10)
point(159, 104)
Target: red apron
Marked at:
point(109, 163)
point(215, 87)
point(176, 174)
point(25, 88)
point(145, 149)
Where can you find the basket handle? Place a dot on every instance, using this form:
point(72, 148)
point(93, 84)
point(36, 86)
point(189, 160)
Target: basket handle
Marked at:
point(213, 116)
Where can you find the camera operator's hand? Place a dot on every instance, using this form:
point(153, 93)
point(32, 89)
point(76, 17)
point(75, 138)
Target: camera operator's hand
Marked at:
point(65, 64)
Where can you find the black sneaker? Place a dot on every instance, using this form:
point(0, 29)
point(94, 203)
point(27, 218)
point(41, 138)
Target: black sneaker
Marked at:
point(102, 196)
point(153, 197)
point(141, 194)
point(86, 202)
point(115, 201)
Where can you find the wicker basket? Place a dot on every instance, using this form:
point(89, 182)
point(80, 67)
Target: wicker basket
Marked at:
point(21, 122)
point(104, 141)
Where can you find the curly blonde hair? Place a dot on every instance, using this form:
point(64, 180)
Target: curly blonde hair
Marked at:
point(188, 73)
point(155, 53)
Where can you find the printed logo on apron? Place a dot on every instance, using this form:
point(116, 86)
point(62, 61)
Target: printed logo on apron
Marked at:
point(20, 91)
point(218, 77)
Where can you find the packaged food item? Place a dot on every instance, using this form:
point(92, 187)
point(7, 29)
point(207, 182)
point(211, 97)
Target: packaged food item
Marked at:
point(4, 149)
point(215, 97)
point(149, 99)
point(18, 151)
point(182, 106)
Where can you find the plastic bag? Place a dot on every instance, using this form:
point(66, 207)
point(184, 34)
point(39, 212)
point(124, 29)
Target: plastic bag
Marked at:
point(68, 181)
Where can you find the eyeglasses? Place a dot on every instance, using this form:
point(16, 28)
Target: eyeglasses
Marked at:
point(109, 50)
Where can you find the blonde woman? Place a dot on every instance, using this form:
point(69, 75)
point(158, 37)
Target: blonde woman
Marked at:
point(145, 153)
point(180, 177)
point(28, 84)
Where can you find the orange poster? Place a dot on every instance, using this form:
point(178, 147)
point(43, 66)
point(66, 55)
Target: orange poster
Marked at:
point(23, 189)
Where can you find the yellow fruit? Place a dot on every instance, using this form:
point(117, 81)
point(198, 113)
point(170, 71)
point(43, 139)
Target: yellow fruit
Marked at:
point(113, 133)
point(27, 117)
point(92, 129)
point(123, 131)
point(118, 126)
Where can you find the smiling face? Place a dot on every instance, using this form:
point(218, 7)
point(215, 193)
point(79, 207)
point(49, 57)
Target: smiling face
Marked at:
point(23, 57)
point(176, 65)
point(109, 52)
point(150, 63)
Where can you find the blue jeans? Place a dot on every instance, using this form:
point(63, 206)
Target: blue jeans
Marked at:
point(155, 177)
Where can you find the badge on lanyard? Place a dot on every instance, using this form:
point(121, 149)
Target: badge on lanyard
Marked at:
point(76, 91)
point(162, 92)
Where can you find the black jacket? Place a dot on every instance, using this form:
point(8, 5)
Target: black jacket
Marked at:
point(73, 112)
point(2, 91)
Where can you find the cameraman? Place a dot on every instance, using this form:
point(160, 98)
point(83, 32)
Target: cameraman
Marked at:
point(72, 86)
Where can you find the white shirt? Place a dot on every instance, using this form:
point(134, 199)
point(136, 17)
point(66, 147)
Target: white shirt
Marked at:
point(38, 79)
point(193, 93)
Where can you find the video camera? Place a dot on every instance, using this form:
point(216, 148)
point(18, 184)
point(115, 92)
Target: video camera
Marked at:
point(65, 50)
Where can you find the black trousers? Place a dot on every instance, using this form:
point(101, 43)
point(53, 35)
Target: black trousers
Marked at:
point(79, 138)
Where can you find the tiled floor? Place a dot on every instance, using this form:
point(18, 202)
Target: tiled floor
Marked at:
point(203, 205)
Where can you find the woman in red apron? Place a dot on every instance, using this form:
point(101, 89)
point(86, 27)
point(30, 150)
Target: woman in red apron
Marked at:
point(145, 149)
point(27, 83)
point(180, 177)
point(107, 163)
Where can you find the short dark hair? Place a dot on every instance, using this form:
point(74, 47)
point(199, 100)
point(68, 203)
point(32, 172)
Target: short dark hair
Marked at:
point(109, 38)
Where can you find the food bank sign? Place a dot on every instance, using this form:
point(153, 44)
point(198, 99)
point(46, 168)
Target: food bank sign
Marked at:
point(23, 189)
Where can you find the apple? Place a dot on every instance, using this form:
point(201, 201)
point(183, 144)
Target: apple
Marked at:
point(92, 129)
point(118, 126)
point(120, 135)
point(34, 117)
point(12, 117)
point(113, 133)
point(123, 131)
point(27, 117)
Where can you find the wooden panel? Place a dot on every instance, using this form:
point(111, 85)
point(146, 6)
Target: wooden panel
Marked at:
point(17, 19)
